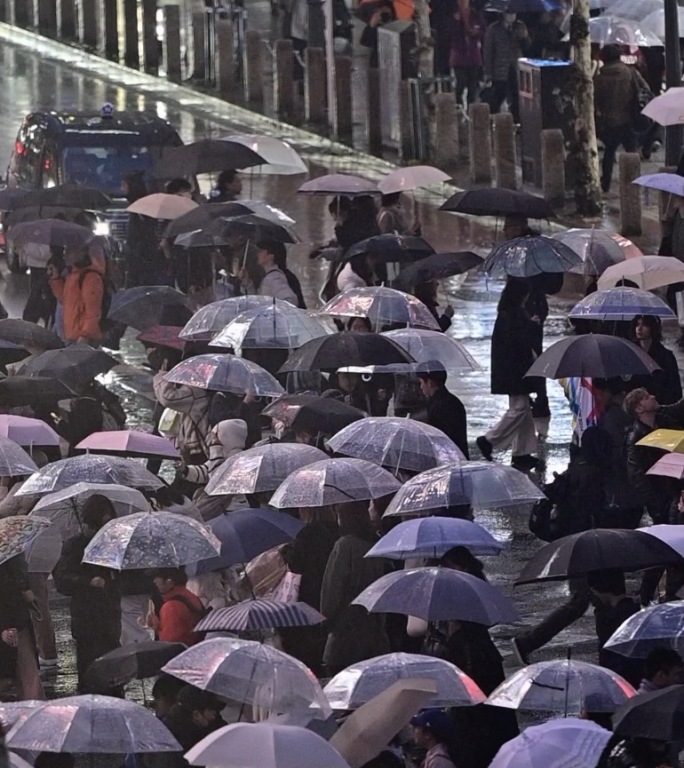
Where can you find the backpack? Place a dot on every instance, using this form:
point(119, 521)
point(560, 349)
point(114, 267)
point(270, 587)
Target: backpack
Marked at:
point(111, 330)
point(194, 610)
point(546, 518)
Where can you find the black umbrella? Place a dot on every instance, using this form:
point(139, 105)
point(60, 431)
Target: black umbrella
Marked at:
point(595, 355)
point(657, 715)
point(582, 553)
point(389, 248)
point(135, 661)
point(67, 196)
point(498, 202)
point(205, 156)
point(22, 390)
point(75, 366)
point(528, 256)
point(9, 196)
point(437, 267)
point(26, 334)
point(311, 413)
point(52, 232)
point(203, 215)
point(149, 305)
point(328, 353)
point(34, 212)
point(251, 226)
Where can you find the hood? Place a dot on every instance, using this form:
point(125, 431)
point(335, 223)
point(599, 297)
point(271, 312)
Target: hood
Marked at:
point(98, 260)
point(232, 434)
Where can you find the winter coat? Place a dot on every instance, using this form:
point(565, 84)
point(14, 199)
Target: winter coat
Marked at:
point(514, 339)
point(446, 412)
point(502, 49)
point(13, 581)
point(580, 496)
point(665, 384)
point(347, 279)
point(615, 89)
point(353, 633)
point(179, 613)
point(274, 283)
point(193, 404)
point(308, 556)
point(80, 294)
point(466, 39)
point(225, 440)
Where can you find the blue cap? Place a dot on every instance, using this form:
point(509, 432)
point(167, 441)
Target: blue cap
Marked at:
point(437, 721)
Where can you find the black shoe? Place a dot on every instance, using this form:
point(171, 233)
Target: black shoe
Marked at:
point(526, 463)
point(519, 654)
point(485, 447)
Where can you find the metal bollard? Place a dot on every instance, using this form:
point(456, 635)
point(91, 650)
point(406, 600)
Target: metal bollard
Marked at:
point(480, 143)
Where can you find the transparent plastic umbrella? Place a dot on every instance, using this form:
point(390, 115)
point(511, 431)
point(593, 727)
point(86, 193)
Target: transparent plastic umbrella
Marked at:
point(250, 673)
point(611, 30)
point(11, 712)
point(339, 184)
point(225, 373)
point(212, 318)
point(14, 461)
point(637, 10)
point(334, 481)
point(262, 468)
point(360, 682)
point(271, 327)
point(433, 537)
point(162, 206)
point(396, 443)
point(620, 304)
point(564, 687)
point(92, 725)
point(660, 626)
point(425, 346)
point(655, 21)
point(382, 306)
point(665, 182)
point(151, 540)
point(17, 533)
point(413, 177)
point(482, 484)
point(597, 249)
point(528, 256)
point(65, 473)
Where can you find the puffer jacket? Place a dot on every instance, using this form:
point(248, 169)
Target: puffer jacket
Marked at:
point(194, 427)
point(80, 293)
point(225, 440)
point(615, 88)
point(502, 49)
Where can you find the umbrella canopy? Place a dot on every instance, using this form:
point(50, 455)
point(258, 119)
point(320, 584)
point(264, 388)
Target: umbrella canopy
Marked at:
point(427, 346)
point(656, 715)
point(646, 272)
point(390, 248)
point(65, 196)
point(432, 537)
point(582, 553)
point(41, 390)
point(620, 304)
point(566, 743)
point(205, 156)
point(127, 442)
point(413, 177)
point(666, 109)
point(62, 474)
point(438, 594)
point(659, 626)
point(334, 481)
point(633, 9)
point(612, 30)
point(262, 468)
point(595, 355)
point(564, 687)
point(246, 533)
point(16, 533)
point(361, 682)
point(281, 158)
point(498, 202)
point(92, 725)
point(162, 206)
point(655, 21)
point(204, 214)
point(148, 305)
point(11, 195)
point(250, 673)
point(528, 256)
point(665, 182)
point(257, 745)
point(271, 327)
point(438, 266)
point(339, 184)
point(480, 484)
point(29, 335)
point(671, 465)
point(672, 535)
point(382, 306)
point(225, 373)
point(213, 318)
point(151, 540)
point(309, 413)
point(52, 232)
point(135, 661)
point(11, 712)
point(252, 227)
point(260, 613)
point(14, 461)
point(396, 443)
point(75, 366)
point(597, 249)
point(27, 432)
point(665, 439)
point(162, 336)
point(328, 353)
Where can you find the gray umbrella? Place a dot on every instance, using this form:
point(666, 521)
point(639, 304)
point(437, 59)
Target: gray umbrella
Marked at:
point(14, 460)
point(212, 318)
point(52, 232)
point(26, 334)
point(527, 256)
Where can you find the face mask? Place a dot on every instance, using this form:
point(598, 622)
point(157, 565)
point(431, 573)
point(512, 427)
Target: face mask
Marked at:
point(509, 18)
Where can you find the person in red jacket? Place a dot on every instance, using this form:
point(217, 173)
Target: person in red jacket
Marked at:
point(180, 610)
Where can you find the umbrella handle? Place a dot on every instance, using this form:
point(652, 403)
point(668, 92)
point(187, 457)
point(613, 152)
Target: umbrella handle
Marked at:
point(244, 255)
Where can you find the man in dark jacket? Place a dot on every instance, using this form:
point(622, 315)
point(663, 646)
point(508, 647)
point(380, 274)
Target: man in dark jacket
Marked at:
point(505, 42)
point(445, 411)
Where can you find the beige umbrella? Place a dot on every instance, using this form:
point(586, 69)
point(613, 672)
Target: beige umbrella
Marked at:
point(162, 206)
point(646, 272)
point(367, 731)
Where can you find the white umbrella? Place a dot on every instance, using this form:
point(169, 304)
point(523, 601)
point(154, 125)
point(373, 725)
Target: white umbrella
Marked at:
point(281, 158)
point(413, 177)
point(647, 272)
point(162, 206)
point(668, 108)
point(264, 745)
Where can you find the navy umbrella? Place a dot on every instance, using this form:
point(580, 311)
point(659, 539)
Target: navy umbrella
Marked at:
point(531, 255)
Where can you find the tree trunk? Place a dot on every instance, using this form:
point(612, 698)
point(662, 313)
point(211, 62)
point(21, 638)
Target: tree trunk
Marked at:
point(587, 182)
point(426, 67)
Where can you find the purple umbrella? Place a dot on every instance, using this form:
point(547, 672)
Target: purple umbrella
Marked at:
point(25, 431)
point(139, 445)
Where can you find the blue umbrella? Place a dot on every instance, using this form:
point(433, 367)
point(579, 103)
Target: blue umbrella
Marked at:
point(432, 537)
point(661, 626)
point(664, 182)
point(438, 594)
point(528, 256)
point(246, 533)
point(620, 304)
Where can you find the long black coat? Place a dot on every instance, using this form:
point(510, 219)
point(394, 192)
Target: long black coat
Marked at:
point(446, 412)
point(514, 340)
point(666, 383)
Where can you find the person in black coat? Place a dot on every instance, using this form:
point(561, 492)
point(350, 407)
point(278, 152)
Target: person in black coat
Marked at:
point(666, 383)
point(515, 338)
point(444, 410)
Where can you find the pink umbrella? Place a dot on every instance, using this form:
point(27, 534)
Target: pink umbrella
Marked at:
point(141, 445)
point(27, 432)
point(670, 465)
point(339, 184)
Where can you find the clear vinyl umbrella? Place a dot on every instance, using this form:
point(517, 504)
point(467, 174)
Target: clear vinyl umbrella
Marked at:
point(17, 533)
point(250, 673)
point(14, 461)
point(611, 30)
point(27, 432)
point(660, 626)
point(597, 249)
point(212, 318)
point(530, 255)
point(637, 10)
point(225, 373)
point(425, 346)
point(382, 306)
point(11, 712)
point(655, 21)
point(620, 304)
point(396, 443)
point(360, 682)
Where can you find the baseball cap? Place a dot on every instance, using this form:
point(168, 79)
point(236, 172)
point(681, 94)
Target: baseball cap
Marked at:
point(437, 721)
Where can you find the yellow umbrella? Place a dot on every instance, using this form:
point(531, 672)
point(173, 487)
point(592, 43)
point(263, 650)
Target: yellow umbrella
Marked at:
point(666, 439)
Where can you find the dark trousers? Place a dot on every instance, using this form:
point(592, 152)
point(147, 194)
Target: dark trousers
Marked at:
point(90, 647)
point(467, 78)
point(622, 135)
point(506, 90)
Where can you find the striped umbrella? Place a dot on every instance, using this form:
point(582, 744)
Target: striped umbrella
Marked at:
point(260, 613)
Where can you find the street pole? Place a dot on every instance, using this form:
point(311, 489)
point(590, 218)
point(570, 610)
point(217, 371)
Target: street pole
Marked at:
point(330, 68)
point(673, 78)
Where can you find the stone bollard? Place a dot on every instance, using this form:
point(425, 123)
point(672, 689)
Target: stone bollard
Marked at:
point(131, 34)
point(172, 42)
point(19, 13)
point(315, 87)
point(445, 143)
point(373, 111)
point(47, 18)
point(225, 57)
point(630, 194)
point(480, 143)
point(553, 166)
point(343, 88)
point(108, 43)
point(199, 68)
point(149, 36)
point(66, 19)
point(253, 66)
point(283, 83)
point(406, 142)
point(505, 164)
point(88, 24)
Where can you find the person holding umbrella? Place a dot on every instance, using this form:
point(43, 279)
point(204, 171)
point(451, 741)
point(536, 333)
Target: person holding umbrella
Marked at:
point(274, 282)
point(444, 410)
point(665, 384)
point(228, 187)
